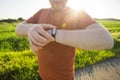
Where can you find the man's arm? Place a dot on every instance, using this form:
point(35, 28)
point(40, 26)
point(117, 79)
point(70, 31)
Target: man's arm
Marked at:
point(23, 28)
point(36, 33)
point(94, 37)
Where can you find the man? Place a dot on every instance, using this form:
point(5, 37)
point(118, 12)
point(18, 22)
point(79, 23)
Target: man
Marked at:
point(55, 48)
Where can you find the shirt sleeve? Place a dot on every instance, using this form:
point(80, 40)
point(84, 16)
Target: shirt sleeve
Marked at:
point(34, 19)
point(84, 19)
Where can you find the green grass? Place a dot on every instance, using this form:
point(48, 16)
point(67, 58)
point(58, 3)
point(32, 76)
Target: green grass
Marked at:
point(22, 64)
point(18, 66)
point(110, 23)
point(112, 26)
point(87, 57)
point(7, 34)
point(7, 26)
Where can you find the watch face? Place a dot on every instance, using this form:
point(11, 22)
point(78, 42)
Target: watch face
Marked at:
point(54, 31)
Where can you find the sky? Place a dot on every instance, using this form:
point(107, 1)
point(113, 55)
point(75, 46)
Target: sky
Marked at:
point(26, 8)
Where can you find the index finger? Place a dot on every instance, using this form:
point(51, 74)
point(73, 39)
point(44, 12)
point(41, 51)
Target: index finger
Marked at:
point(45, 34)
point(48, 26)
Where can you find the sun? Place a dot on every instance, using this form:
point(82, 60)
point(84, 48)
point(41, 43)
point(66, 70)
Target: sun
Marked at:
point(77, 5)
point(90, 6)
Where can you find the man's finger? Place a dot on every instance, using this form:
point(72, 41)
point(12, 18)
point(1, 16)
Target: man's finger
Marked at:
point(45, 34)
point(39, 38)
point(48, 26)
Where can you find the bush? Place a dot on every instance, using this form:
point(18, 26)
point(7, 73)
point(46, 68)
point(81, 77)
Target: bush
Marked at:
point(14, 44)
point(18, 66)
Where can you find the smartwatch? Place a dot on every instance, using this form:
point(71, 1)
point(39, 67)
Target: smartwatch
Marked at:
point(53, 32)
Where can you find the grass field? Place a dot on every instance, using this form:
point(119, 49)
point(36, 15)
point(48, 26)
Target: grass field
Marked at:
point(17, 62)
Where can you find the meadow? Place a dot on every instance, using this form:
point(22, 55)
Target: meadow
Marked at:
point(17, 62)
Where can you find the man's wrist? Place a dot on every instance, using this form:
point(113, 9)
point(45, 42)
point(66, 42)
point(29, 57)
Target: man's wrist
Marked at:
point(31, 26)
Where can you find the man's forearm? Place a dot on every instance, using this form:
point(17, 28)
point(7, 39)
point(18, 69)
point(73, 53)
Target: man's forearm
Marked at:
point(94, 37)
point(23, 28)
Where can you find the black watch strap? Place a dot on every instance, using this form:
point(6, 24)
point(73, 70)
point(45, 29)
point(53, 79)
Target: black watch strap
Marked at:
point(53, 32)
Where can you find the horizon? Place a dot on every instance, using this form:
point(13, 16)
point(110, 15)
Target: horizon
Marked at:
point(94, 18)
point(100, 9)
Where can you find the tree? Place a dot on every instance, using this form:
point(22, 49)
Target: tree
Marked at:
point(20, 19)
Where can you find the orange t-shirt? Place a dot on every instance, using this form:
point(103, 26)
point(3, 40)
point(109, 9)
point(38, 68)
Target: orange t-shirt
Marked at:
point(56, 60)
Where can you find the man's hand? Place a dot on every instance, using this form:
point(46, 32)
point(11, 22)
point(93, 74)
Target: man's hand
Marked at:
point(39, 37)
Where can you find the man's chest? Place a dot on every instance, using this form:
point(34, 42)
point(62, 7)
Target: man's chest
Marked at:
point(60, 20)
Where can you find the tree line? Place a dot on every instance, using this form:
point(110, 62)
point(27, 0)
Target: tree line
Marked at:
point(9, 20)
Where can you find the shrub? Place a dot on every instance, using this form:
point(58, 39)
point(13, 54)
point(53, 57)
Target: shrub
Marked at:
point(18, 66)
point(14, 44)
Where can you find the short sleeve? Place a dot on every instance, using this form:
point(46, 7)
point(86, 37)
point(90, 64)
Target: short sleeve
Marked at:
point(84, 19)
point(34, 19)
